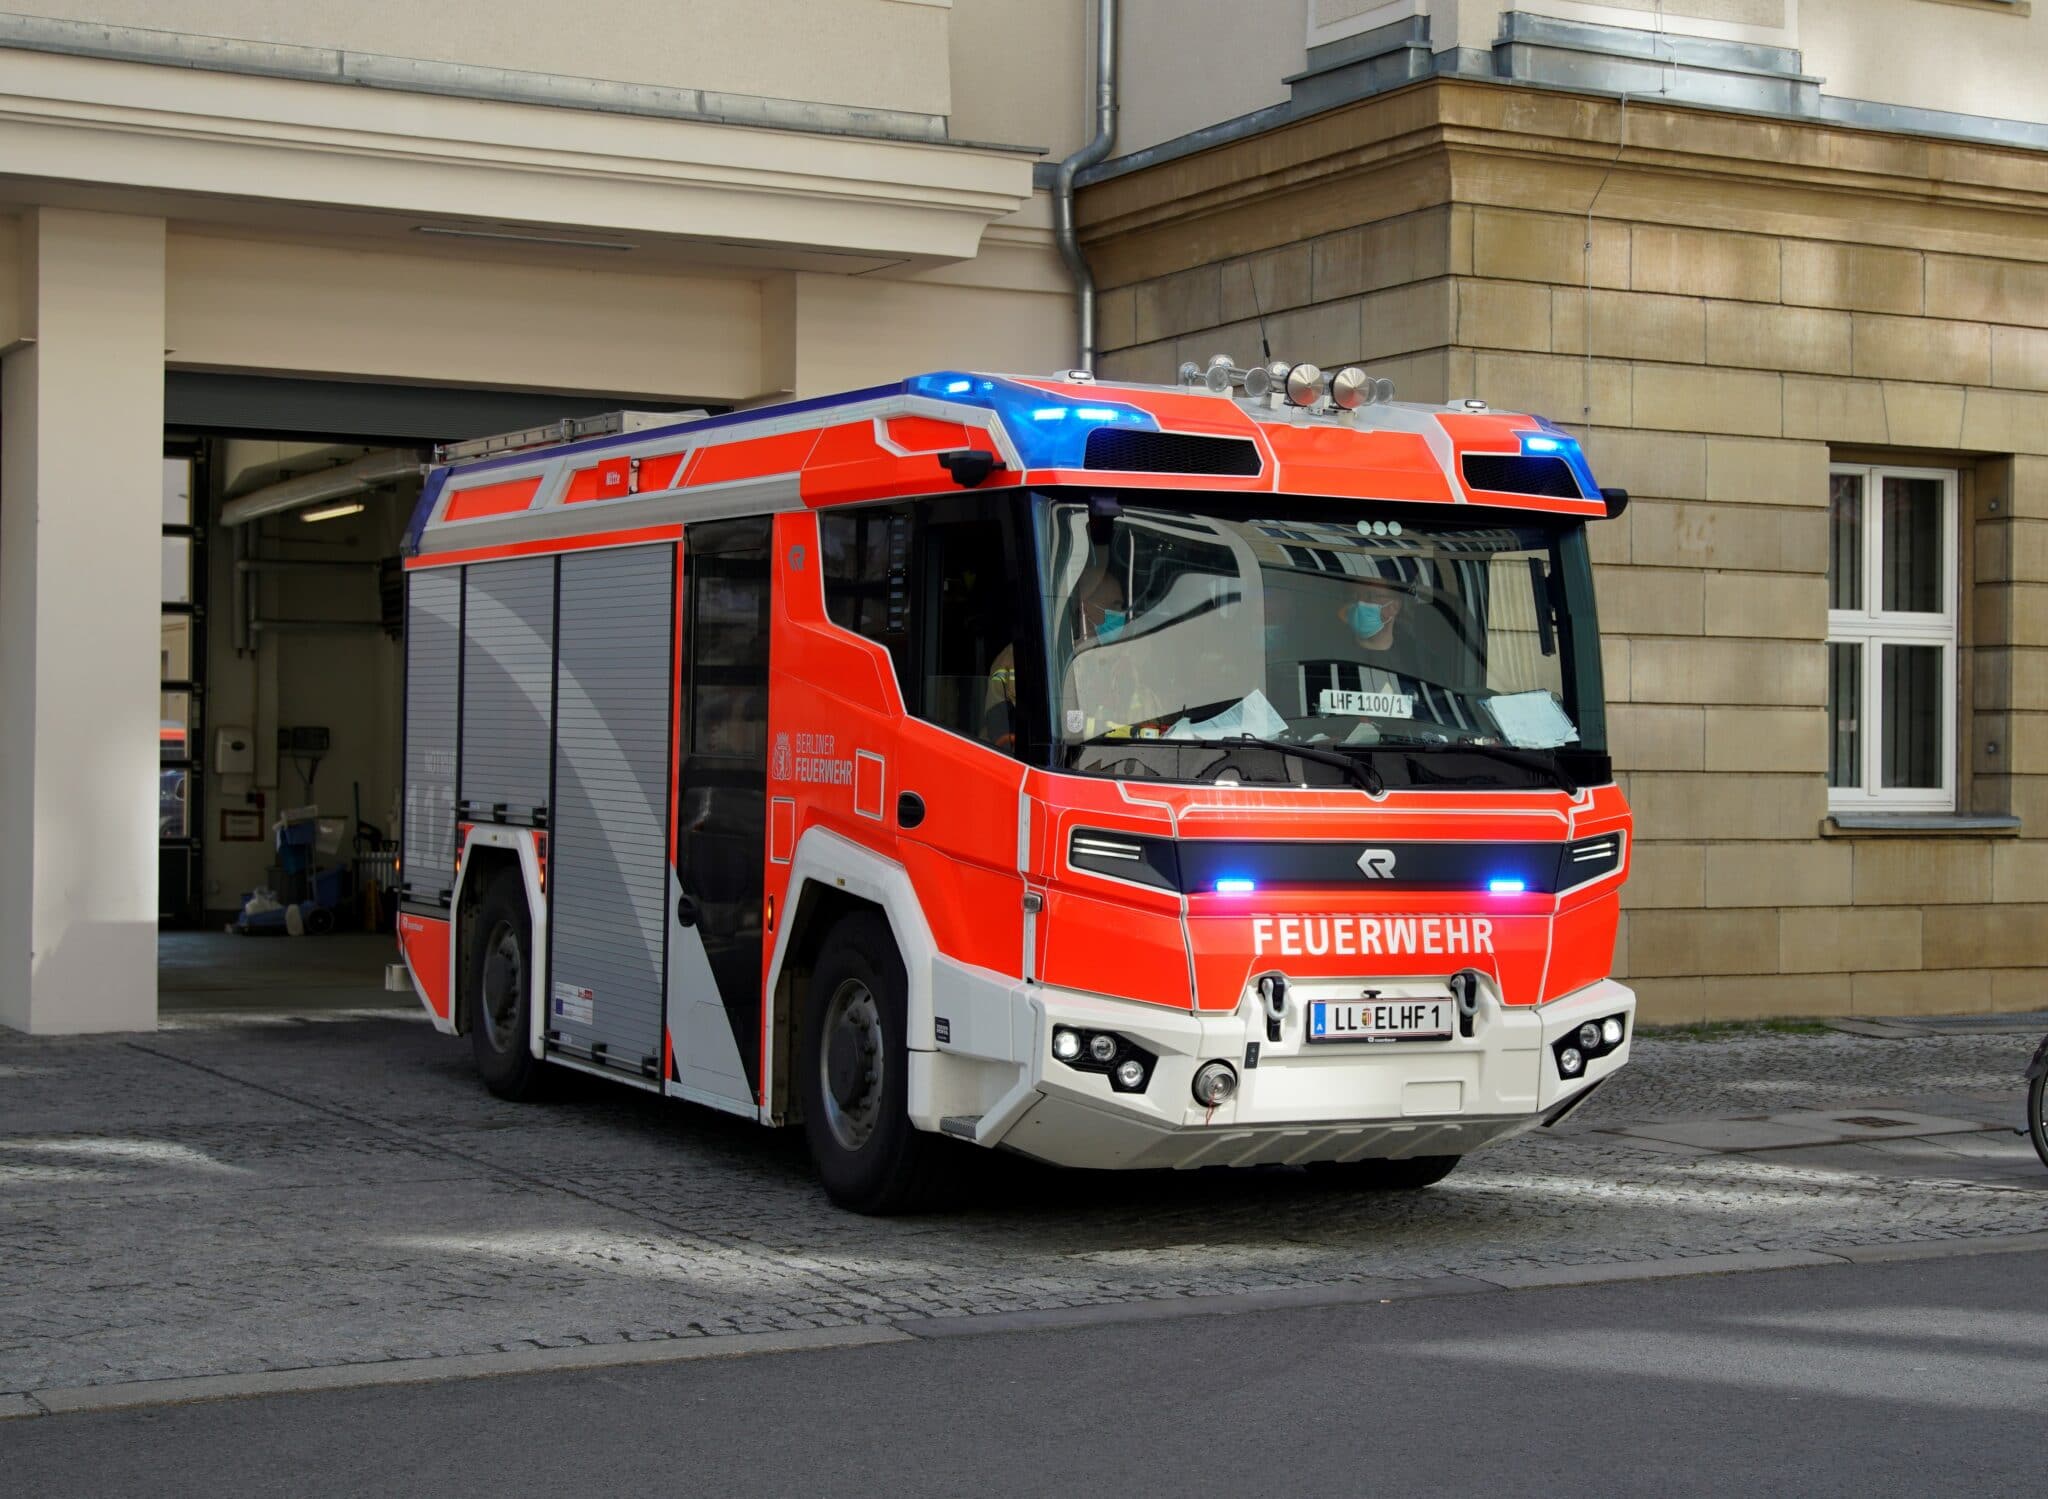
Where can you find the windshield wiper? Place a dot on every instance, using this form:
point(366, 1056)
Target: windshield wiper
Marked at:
point(1360, 772)
point(1549, 769)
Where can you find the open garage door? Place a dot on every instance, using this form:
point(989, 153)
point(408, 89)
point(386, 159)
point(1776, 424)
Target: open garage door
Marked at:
point(284, 660)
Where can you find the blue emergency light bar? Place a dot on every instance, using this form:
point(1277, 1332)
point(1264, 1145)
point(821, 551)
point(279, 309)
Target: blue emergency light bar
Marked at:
point(1047, 432)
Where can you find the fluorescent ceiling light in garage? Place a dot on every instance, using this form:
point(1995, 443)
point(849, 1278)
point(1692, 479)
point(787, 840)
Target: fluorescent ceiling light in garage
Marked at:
point(333, 512)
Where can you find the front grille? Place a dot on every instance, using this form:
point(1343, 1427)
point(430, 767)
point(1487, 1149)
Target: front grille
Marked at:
point(1134, 452)
point(1515, 473)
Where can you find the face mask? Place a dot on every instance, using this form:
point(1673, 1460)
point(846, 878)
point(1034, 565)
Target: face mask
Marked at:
point(1113, 622)
point(1367, 620)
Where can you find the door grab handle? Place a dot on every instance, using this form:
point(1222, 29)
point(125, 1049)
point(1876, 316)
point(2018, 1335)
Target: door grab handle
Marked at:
point(686, 910)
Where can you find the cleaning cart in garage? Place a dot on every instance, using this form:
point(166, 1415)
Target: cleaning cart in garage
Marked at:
point(314, 894)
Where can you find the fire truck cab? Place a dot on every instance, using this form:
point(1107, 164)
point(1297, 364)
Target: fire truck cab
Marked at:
point(1128, 776)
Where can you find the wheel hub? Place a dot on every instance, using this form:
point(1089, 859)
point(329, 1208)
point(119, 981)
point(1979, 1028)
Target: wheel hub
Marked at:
point(503, 981)
point(850, 1064)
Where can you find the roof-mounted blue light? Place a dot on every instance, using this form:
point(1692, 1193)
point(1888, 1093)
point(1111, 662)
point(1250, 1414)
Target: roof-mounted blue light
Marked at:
point(1047, 431)
point(1555, 442)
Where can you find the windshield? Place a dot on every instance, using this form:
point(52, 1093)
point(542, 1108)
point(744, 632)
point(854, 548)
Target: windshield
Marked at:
point(1439, 653)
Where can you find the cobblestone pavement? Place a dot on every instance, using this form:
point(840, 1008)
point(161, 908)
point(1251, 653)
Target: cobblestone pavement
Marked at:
point(246, 1192)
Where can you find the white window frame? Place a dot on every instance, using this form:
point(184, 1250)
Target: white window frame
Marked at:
point(1873, 629)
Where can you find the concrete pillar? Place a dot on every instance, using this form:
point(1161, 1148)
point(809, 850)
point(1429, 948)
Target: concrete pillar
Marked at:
point(81, 462)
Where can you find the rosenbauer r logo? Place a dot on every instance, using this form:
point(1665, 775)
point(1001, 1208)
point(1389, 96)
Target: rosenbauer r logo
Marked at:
point(1377, 863)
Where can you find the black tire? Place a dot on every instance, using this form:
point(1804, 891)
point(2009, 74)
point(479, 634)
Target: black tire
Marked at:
point(1410, 1174)
point(498, 993)
point(2037, 1115)
point(852, 1067)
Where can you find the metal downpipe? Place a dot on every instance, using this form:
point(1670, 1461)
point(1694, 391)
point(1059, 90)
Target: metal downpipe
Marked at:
point(1087, 156)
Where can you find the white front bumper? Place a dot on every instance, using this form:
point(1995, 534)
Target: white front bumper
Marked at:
point(1301, 1102)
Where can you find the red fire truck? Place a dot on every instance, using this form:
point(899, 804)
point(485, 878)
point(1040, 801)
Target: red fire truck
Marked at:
point(1123, 775)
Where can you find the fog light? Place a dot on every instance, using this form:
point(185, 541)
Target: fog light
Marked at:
point(1214, 1082)
point(1569, 1061)
point(1130, 1073)
point(1589, 1036)
point(1610, 1030)
point(1066, 1044)
point(1102, 1048)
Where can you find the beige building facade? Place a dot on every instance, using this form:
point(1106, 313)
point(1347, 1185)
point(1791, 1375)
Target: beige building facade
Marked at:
point(1810, 344)
point(1783, 262)
point(244, 243)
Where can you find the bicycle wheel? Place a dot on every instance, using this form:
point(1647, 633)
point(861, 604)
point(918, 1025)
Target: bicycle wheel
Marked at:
point(2037, 1115)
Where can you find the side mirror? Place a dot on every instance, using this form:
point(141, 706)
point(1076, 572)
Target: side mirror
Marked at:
point(1617, 501)
point(969, 466)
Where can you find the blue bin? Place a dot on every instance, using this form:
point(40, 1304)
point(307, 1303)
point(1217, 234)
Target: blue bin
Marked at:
point(295, 846)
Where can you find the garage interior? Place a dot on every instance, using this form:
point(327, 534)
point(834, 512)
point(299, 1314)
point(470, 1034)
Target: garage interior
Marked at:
point(285, 504)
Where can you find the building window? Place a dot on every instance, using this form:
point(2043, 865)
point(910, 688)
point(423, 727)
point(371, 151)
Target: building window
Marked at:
point(1892, 573)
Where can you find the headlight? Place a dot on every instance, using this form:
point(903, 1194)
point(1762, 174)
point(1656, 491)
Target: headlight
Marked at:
point(1594, 1039)
point(1127, 1064)
point(1126, 856)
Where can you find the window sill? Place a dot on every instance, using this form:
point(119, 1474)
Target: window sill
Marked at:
point(2006, 7)
point(1919, 825)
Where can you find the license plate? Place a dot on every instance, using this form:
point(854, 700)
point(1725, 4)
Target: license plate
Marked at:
point(1380, 1020)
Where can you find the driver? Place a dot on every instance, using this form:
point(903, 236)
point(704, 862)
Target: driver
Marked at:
point(1371, 615)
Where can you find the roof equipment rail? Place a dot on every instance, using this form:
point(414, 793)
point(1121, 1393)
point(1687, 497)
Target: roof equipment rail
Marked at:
point(552, 434)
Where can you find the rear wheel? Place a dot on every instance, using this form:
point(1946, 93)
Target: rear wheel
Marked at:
point(499, 989)
point(853, 1065)
point(1410, 1174)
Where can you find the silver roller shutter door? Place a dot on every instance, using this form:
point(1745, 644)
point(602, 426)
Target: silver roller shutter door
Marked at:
point(507, 676)
point(608, 859)
point(433, 624)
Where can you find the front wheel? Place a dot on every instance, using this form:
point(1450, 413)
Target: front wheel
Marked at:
point(853, 1065)
point(1410, 1174)
point(499, 990)
point(2037, 1115)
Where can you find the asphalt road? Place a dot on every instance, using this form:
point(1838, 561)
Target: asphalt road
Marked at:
point(1860, 1380)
